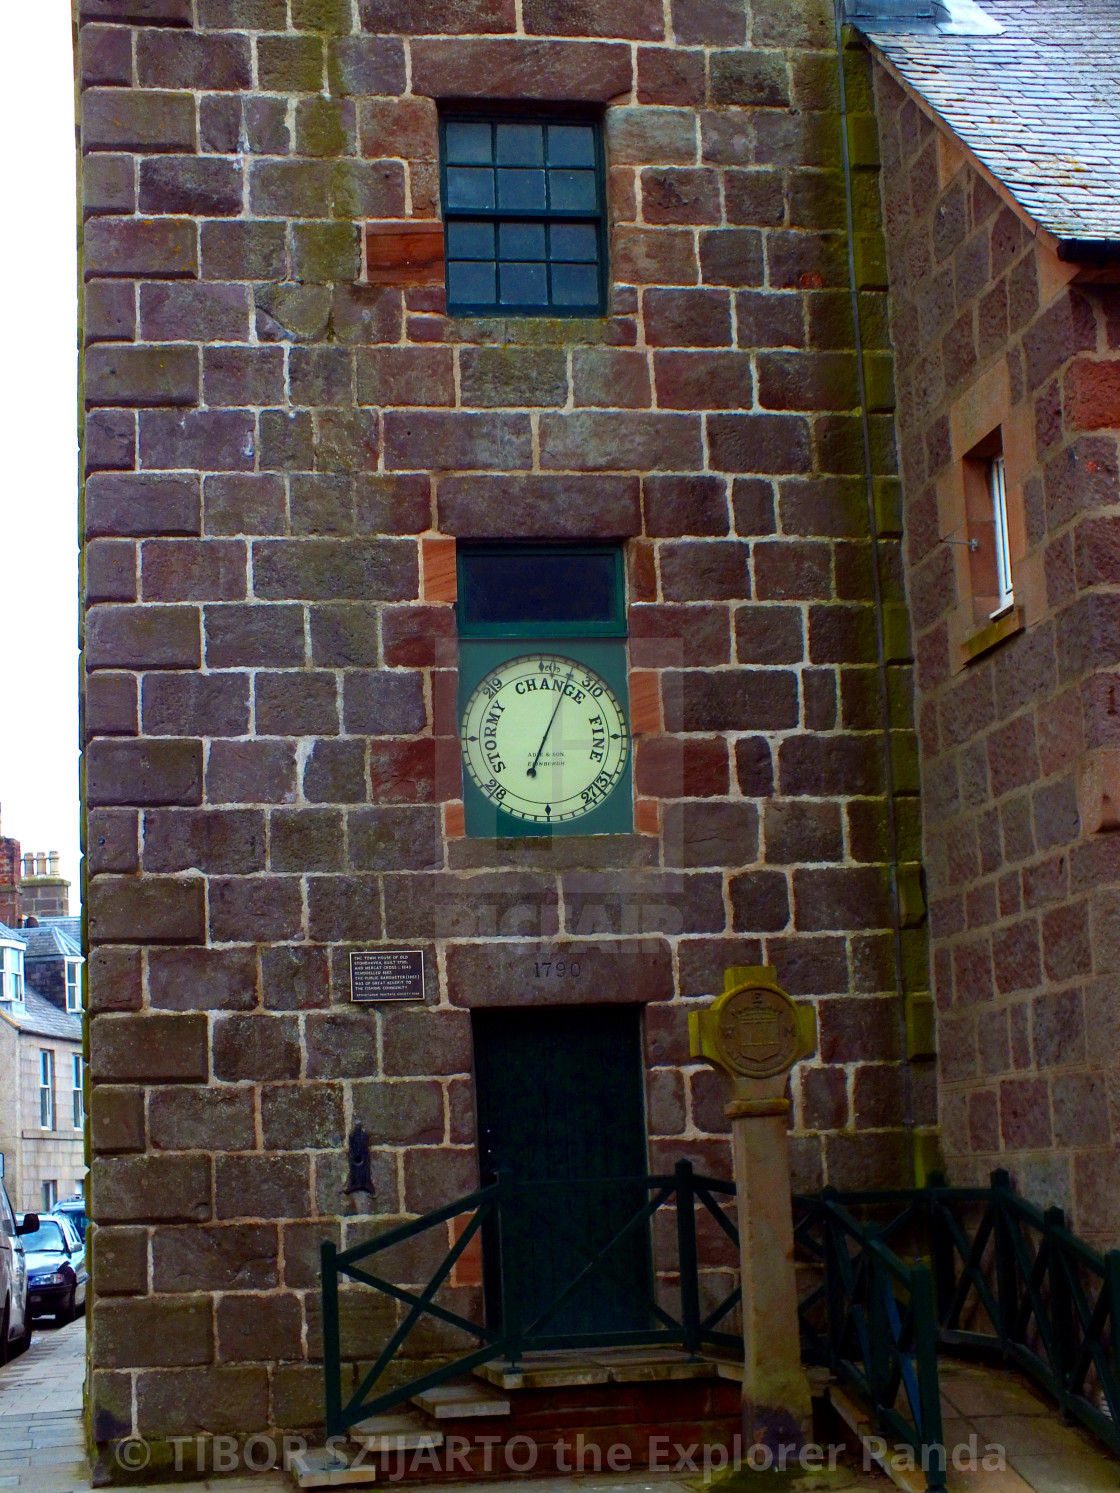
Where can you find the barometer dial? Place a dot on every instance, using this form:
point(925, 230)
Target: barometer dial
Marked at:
point(544, 738)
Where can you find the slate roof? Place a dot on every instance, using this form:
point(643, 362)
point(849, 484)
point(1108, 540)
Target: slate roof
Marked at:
point(10, 935)
point(49, 941)
point(1038, 103)
point(71, 926)
point(41, 1019)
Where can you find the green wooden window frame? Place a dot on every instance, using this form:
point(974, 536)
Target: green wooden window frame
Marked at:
point(526, 214)
point(609, 623)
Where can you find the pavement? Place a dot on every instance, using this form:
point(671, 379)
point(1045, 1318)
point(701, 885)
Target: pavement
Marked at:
point(1019, 1445)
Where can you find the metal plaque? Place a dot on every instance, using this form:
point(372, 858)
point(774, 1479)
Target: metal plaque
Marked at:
point(387, 975)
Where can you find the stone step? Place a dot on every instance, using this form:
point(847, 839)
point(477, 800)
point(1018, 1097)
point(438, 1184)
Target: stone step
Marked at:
point(403, 1431)
point(461, 1400)
point(319, 1467)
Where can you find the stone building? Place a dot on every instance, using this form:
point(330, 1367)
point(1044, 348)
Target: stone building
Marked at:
point(326, 507)
point(9, 881)
point(44, 891)
point(42, 1080)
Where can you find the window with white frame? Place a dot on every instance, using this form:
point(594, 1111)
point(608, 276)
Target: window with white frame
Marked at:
point(50, 1195)
point(79, 1101)
point(46, 1088)
point(73, 985)
point(997, 486)
point(11, 974)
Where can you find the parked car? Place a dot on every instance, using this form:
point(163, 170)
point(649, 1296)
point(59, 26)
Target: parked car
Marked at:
point(75, 1210)
point(15, 1310)
point(56, 1269)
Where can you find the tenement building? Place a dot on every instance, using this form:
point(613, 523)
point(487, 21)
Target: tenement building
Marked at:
point(513, 598)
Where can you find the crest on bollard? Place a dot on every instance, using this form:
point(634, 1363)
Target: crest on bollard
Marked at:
point(753, 1030)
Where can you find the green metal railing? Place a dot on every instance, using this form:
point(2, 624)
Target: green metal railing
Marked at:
point(986, 1271)
point(904, 1274)
point(516, 1322)
point(872, 1322)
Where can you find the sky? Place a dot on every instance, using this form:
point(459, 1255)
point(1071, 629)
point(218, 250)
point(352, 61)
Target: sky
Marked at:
point(38, 436)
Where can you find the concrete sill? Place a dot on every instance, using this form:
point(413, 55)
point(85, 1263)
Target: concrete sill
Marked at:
point(994, 633)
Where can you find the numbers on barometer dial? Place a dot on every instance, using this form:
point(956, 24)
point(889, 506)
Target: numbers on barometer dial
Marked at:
point(544, 738)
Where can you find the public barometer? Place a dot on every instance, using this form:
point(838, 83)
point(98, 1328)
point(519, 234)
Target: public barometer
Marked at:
point(543, 718)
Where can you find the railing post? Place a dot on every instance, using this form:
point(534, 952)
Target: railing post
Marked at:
point(1007, 1268)
point(929, 1384)
point(941, 1257)
point(687, 1256)
point(1111, 1284)
point(834, 1284)
point(332, 1352)
point(509, 1293)
point(1061, 1302)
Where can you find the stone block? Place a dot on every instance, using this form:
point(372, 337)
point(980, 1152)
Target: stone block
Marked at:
point(395, 839)
point(150, 1048)
point(202, 979)
point(191, 59)
point(230, 1257)
point(366, 66)
point(212, 704)
point(753, 700)
point(553, 71)
point(150, 772)
point(254, 909)
point(688, 318)
point(202, 186)
point(201, 1119)
point(218, 1400)
point(343, 908)
point(164, 249)
point(610, 441)
point(152, 1332)
point(111, 840)
point(150, 1189)
point(670, 75)
point(127, 119)
point(116, 1114)
point(113, 980)
point(127, 375)
point(206, 440)
point(120, 1259)
point(254, 636)
point(110, 705)
point(538, 507)
point(110, 566)
point(254, 1328)
point(243, 375)
point(301, 704)
point(333, 570)
point(135, 504)
point(262, 1187)
point(505, 973)
point(244, 250)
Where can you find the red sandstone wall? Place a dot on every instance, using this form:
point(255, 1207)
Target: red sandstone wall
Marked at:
point(279, 460)
point(1018, 747)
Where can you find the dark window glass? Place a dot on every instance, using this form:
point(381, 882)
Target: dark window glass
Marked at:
point(524, 205)
point(539, 588)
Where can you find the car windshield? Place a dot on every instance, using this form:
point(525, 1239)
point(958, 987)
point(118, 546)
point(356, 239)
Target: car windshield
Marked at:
point(47, 1238)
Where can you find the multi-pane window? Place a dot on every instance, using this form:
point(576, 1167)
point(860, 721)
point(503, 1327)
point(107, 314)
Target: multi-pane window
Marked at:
point(46, 1088)
point(11, 973)
point(524, 214)
point(79, 1101)
point(73, 985)
point(50, 1195)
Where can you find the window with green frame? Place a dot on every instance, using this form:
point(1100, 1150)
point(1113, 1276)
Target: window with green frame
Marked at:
point(524, 206)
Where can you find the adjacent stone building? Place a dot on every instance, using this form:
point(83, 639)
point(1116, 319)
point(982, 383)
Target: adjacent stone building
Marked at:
point(314, 488)
point(1002, 202)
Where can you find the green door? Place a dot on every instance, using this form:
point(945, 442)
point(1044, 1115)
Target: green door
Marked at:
point(560, 1099)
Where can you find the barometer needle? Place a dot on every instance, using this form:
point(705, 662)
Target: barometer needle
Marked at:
point(533, 770)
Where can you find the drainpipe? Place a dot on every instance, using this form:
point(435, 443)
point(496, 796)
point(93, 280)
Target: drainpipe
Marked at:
point(880, 623)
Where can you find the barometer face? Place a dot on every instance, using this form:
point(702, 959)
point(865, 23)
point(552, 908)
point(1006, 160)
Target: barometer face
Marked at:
point(544, 738)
